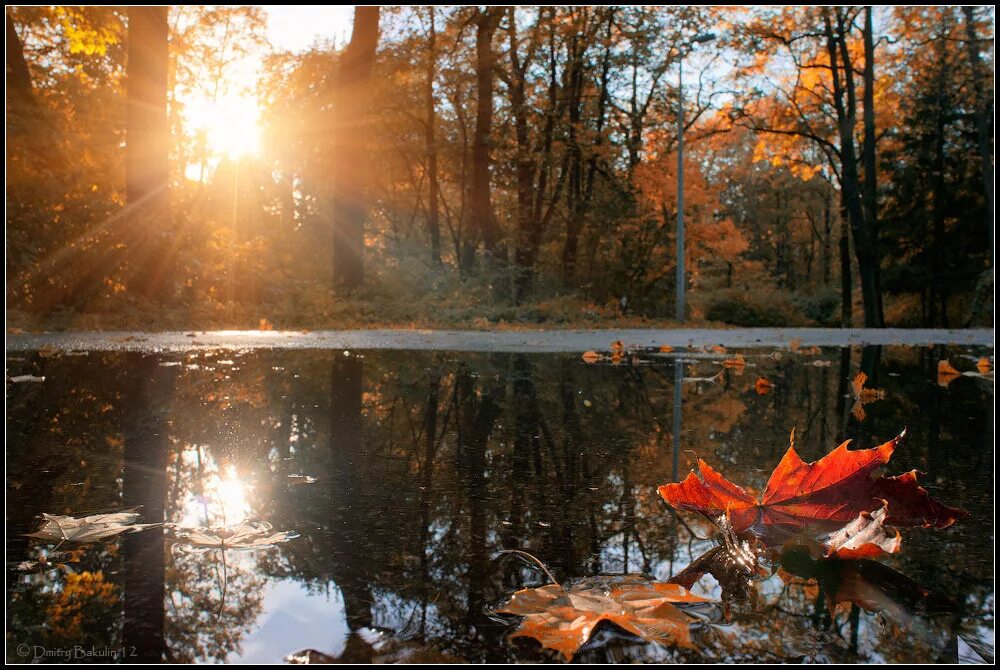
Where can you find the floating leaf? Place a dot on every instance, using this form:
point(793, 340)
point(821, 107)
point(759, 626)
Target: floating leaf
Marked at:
point(763, 386)
point(863, 396)
point(58, 528)
point(983, 365)
point(665, 348)
point(591, 357)
point(821, 496)
point(564, 618)
point(245, 535)
point(737, 363)
point(946, 373)
point(54, 560)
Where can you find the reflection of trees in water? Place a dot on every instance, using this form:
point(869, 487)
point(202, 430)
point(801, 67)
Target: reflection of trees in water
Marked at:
point(213, 599)
point(428, 464)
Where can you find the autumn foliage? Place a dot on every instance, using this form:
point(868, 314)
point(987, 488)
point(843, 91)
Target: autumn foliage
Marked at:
point(809, 498)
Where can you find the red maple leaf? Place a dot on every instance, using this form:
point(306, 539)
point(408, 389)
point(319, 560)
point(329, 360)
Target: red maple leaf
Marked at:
point(819, 496)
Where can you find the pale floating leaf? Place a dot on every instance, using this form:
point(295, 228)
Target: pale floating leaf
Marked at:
point(245, 535)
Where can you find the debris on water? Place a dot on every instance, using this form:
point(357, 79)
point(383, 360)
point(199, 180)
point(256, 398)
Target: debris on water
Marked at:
point(60, 528)
point(245, 535)
point(300, 479)
point(25, 378)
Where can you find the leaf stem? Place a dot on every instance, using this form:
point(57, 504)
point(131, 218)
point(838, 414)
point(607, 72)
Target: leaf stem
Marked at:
point(537, 561)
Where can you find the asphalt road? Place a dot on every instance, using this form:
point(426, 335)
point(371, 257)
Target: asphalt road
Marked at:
point(526, 341)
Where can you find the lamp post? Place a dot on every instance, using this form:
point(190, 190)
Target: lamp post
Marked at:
point(681, 275)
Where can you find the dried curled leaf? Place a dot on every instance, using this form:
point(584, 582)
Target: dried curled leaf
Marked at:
point(563, 619)
point(817, 497)
point(59, 528)
point(245, 535)
point(865, 537)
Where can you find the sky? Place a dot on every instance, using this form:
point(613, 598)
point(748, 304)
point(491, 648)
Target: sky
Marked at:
point(296, 27)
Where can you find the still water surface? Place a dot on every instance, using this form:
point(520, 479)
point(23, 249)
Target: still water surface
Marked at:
point(405, 473)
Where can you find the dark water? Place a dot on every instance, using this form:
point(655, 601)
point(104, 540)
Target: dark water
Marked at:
point(426, 465)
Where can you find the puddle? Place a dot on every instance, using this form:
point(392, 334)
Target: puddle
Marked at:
point(374, 492)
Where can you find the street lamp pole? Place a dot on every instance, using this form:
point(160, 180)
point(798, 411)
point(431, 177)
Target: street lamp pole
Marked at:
point(681, 274)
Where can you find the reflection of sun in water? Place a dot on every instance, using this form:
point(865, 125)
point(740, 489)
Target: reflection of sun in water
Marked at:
point(222, 500)
point(230, 124)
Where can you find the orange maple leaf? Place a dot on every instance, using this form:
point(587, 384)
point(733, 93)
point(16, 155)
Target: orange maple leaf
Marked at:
point(564, 618)
point(821, 496)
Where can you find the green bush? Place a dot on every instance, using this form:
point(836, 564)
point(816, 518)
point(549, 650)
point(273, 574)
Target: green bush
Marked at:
point(750, 310)
point(821, 307)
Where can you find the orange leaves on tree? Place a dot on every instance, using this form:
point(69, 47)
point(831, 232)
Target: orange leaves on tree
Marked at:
point(821, 496)
point(763, 386)
point(563, 619)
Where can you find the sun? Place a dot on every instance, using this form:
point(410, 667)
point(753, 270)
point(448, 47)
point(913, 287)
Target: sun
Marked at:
point(231, 124)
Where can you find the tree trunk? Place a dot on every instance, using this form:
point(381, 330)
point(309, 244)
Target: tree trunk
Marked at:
point(350, 152)
point(147, 134)
point(349, 505)
point(827, 238)
point(144, 485)
point(846, 300)
point(982, 102)
point(482, 208)
point(868, 158)
point(528, 233)
point(433, 213)
point(19, 83)
point(850, 181)
point(574, 194)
